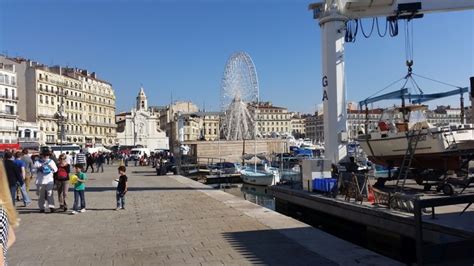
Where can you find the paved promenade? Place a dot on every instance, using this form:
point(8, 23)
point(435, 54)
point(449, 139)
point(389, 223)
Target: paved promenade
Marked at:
point(171, 220)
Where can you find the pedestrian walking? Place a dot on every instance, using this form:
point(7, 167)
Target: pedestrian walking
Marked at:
point(21, 186)
point(122, 188)
point(90, 162)
point(13, 174)
point(8, 216)
point(45, 168)
point(28, 168)
point(62, 182)
point(100, 162)
point(79, 191)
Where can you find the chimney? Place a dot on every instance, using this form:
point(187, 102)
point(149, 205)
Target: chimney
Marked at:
point(93, 75)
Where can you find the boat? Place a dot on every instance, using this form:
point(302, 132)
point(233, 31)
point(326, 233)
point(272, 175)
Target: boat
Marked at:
point(439, 148)
point(260, 174)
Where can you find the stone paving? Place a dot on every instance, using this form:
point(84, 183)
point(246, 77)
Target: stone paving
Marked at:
point(171, 220)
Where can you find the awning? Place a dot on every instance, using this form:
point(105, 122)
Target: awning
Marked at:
point(30, 145)
point(10, 146)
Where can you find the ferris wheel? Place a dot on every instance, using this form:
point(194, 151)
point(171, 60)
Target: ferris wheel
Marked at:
point(240, 80)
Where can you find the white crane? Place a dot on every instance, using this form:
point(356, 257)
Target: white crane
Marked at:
point(332, 16)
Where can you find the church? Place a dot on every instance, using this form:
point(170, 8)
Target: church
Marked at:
point(141, 126)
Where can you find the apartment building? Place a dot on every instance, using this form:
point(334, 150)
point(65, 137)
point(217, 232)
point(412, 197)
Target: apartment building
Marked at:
point(297, 125)
point(8, 106)
point(272, 121)
point(68, 104)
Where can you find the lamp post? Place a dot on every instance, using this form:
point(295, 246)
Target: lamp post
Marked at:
point(62, 132)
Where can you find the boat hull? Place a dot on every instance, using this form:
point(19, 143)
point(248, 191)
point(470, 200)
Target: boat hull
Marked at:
point(258, 178)
point(434, 150)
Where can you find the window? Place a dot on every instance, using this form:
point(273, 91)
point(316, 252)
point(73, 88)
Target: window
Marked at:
point(6, 92)
point(13, 80)
point(46, 99)
point(10, 109)
point(41, 98)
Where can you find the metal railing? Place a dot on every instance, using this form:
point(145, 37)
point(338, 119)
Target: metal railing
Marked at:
point(4, 128)
point(28, 139)
point(8, 97)
point(439, 253)
point(8, 113)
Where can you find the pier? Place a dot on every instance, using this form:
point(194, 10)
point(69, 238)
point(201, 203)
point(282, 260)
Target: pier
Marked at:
point(172, 220)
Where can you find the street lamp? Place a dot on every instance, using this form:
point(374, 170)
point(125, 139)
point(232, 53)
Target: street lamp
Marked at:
point(61, 115)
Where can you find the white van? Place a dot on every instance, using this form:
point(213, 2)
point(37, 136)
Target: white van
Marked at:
point(137, 153)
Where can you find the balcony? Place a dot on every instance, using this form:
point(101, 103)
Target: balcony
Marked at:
point(28, 139)
point(6, 128)
point(8, 97)
point(47, 116)
point(74, 132)
point(8, 113)
point(8, 83)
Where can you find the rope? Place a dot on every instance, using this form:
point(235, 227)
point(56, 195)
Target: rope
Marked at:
point(378, 28)
point(371, 30)
point(434, 80)
point(386, 87)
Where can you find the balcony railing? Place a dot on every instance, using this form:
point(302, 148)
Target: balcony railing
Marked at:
point(9, 113)
point(6, 128)
point(28, 139)
point(48, 116)
point(8, 83)
point(8, 97)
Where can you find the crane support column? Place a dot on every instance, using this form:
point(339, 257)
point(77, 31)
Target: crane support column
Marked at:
point(333, 83)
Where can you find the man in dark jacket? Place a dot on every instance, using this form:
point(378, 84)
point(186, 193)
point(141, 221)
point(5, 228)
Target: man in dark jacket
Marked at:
point(14, 175)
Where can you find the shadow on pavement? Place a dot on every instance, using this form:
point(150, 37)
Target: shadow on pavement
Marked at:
point(270, 247)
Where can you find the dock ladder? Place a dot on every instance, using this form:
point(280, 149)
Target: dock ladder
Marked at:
point(413, 136)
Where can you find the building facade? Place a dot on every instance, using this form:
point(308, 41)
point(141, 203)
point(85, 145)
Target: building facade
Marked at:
point(444, 116)
point(169, 117)
point(69, 105)
point(140, 126)
point(272, 121)
point(28, 133)
point(8, 106)
point(297, 125)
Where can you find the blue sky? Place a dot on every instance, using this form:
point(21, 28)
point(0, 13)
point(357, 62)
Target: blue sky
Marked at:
point(181, 47)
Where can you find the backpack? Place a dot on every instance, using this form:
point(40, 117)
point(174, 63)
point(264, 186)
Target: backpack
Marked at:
point(45, 168)
point(62, 173)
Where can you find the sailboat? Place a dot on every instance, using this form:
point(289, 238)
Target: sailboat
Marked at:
point(259, 174)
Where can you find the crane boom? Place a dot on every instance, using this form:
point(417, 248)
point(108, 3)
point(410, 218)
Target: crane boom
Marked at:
point(420, 98)
point(357, 9)
point(332, 16)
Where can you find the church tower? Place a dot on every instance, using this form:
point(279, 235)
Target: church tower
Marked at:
point(142, 102)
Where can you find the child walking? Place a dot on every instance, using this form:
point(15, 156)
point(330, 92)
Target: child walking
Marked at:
point(79, 188)
point(121, 188)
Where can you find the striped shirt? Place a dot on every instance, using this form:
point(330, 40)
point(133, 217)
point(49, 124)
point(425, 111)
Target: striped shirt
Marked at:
point(3, 233)
point(81, 158)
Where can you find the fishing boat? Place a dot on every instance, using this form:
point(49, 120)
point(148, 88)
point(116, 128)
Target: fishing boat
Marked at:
point(433, 147)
